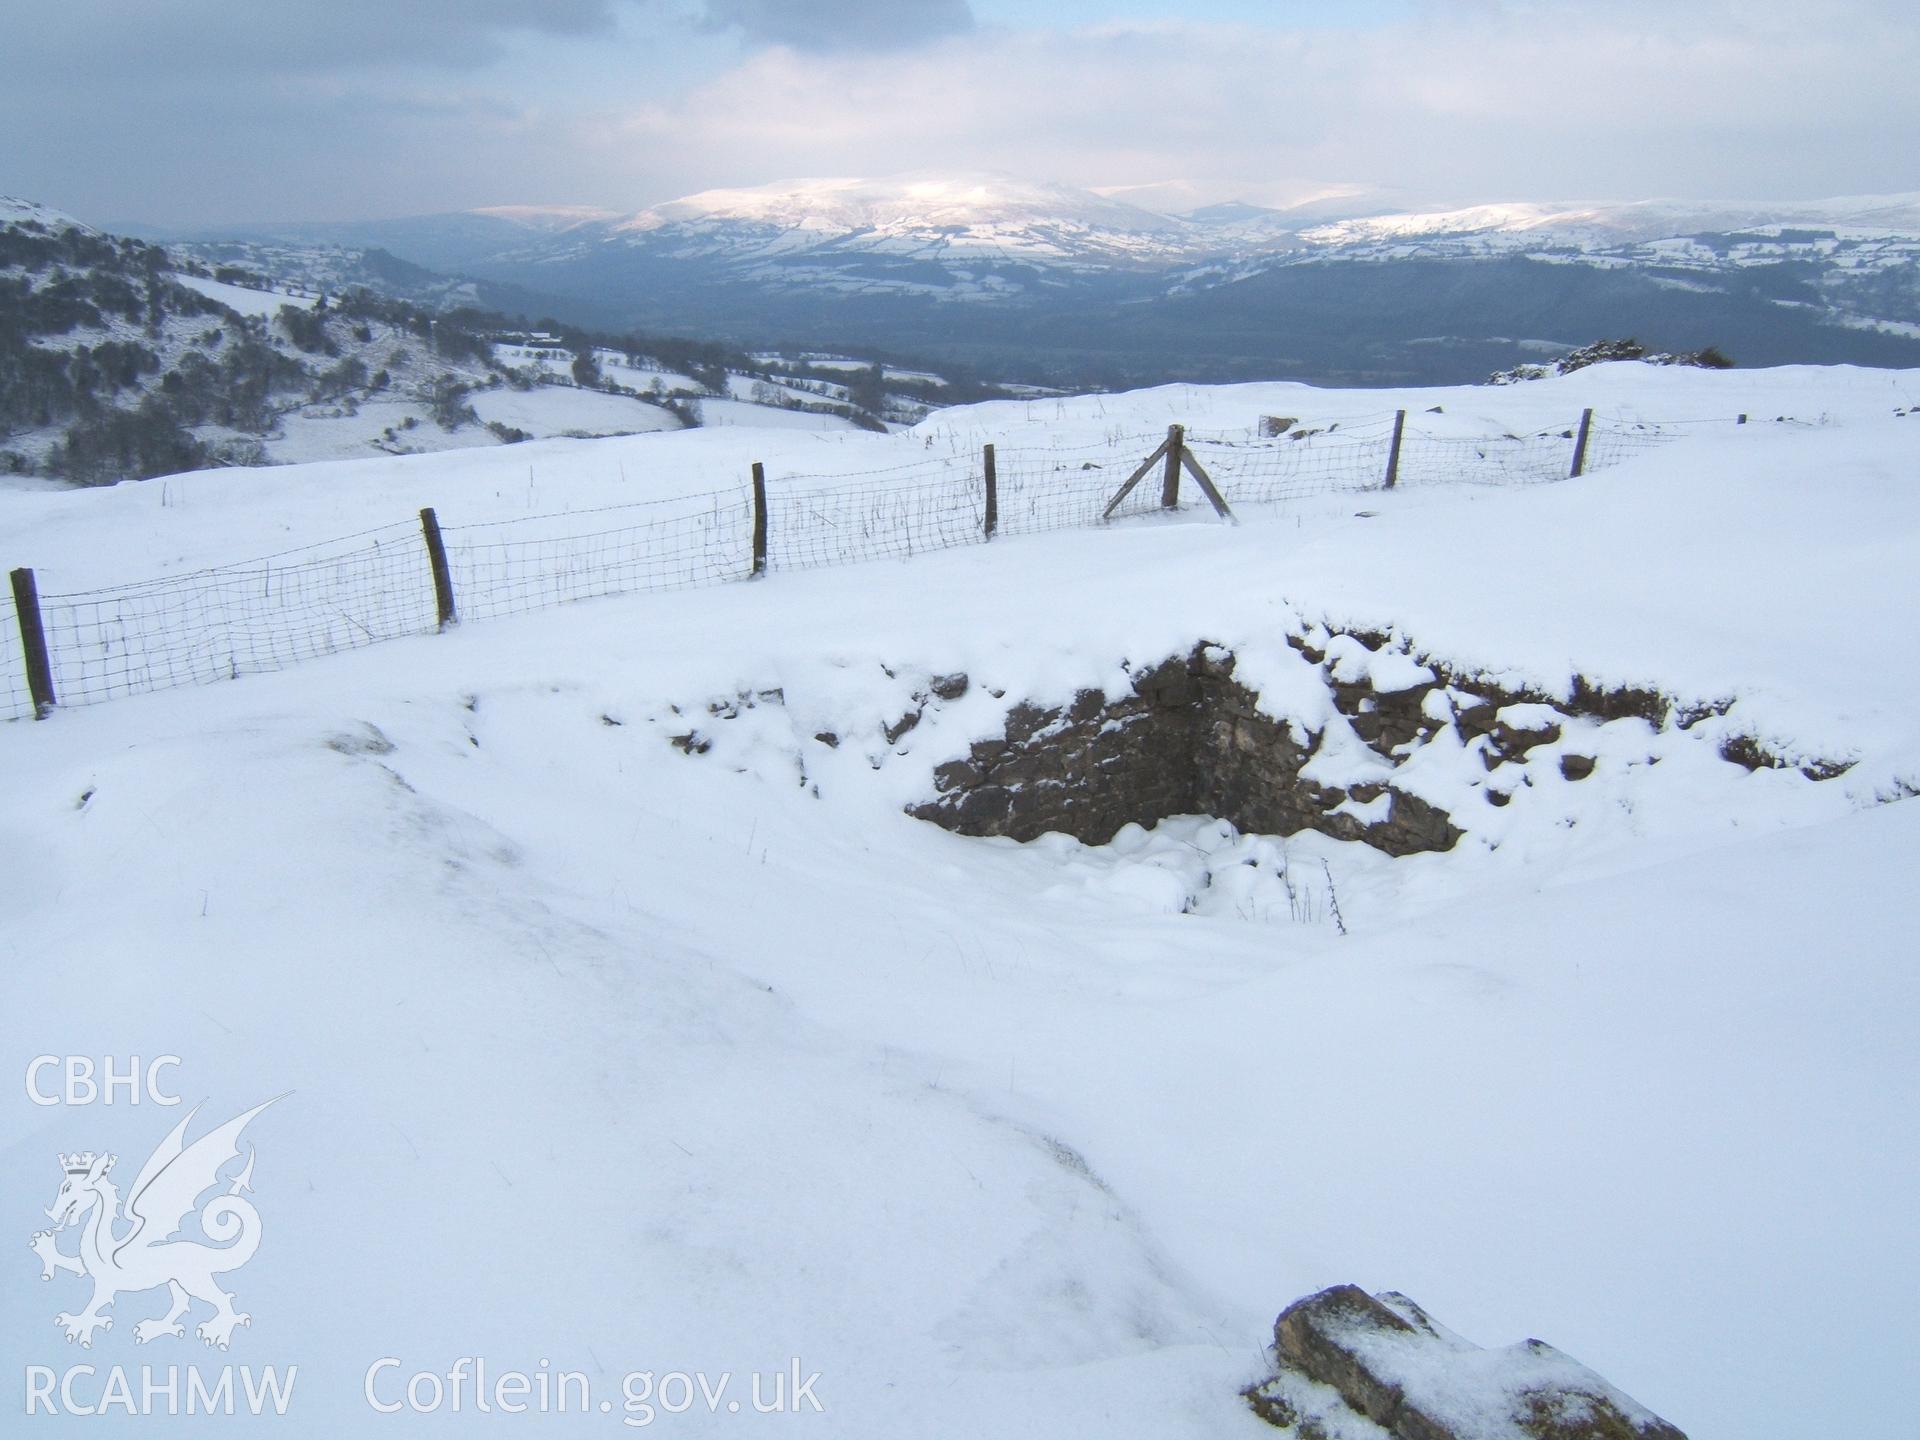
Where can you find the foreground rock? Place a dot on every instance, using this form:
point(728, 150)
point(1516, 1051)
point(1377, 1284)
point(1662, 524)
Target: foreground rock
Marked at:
point(1354, 1366)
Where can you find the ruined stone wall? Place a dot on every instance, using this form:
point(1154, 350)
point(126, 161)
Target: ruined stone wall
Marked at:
point(1085, 769)
point(1188, 739)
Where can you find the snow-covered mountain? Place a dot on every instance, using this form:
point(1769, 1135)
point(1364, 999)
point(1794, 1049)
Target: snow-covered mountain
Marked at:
point(980, 208)
point(819, 232)
point(994, 216)
point(1892, 217)
point(983, 264)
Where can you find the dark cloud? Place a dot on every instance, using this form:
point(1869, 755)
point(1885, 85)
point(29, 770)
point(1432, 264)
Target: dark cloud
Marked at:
point(843, 24)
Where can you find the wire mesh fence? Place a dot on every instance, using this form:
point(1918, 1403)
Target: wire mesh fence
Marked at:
point(511, 567)
point(15, 698)
point(931, 504)
point(268, 613)
point(1045, 488)
point(1614, 442)
point(1300, 464)
point(236, 620)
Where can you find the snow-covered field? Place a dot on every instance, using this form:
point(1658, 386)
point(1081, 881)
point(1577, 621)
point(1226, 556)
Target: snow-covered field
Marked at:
point(562, 410)
point(243, 300)
point(616, 1058)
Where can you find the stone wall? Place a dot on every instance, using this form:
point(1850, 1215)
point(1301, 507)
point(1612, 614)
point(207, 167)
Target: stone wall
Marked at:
point(1084, 769)
point(1188, 739)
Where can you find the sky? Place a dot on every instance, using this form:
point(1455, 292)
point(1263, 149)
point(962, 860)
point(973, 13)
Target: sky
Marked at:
point(193, 113)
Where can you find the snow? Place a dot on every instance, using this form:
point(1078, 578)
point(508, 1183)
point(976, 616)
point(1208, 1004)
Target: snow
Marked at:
point(913, 201)
point(241, 299)
point(631, 1059)
point(741, 413)
point(1891, 216)
point(643, 377)
point(563, 410)
point(316, 433)
point(14, 210)
point(548, 219)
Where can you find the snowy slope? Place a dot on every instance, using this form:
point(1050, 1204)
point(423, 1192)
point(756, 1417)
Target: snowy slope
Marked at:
point(16, 210)
point(1893, 216)
point(243, 301)
point(629, 1059)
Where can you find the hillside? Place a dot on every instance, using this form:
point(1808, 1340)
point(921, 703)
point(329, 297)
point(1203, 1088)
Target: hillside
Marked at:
point(121, 359)
point(627, 1024)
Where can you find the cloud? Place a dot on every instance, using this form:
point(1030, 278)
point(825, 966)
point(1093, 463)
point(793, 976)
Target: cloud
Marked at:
point(104, 40)
point(1466, 101)
point(205, 110)
point(829, 25)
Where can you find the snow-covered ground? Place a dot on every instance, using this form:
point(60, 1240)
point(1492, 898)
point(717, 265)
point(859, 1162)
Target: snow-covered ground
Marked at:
point(763, 417)
point(623, 1058)
point(563, 410)
point(243, 300)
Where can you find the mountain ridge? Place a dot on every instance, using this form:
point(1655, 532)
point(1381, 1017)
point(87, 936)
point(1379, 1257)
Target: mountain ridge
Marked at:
point(987, 269)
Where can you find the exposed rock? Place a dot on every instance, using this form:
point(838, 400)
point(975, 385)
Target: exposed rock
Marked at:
point(1188, 739)
point(1477, 719)
point(1349, 1363)
point(1747, 751)
point(949, 687)
point(1576, 767)
point(1519, 728)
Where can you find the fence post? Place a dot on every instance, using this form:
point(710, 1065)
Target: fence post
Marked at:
point(1741, 421)
point(1393, 450)
point(1580, 446)
point(759, 518)
point(993, 494)
point(442, 576)
point(1170, 483)
point(33, 642)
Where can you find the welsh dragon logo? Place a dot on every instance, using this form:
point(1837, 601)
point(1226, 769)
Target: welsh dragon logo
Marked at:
point(127, 1253)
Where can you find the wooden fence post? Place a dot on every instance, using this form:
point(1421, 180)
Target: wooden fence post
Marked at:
point(759, 519)
point(1580, 446)
point(1163, 449)
point(33, 642)
point(1170, 482)
point(437, 556)
point(993, 494)
point(1194, 468)
point(1393, 450)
